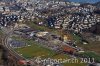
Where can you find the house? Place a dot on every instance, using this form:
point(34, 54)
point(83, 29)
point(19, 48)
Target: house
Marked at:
point(41, 34)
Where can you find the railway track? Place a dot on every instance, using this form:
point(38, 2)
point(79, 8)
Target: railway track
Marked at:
point(16, 57)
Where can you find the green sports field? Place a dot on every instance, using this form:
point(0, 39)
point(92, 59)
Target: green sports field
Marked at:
point(36, 50)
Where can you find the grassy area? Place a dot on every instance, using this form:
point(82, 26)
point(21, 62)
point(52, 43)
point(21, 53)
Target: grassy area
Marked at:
point(92, 46)
point(76, 38)
point(36, 50)
point(91, 55)
point(34, 26)
point(43, 28)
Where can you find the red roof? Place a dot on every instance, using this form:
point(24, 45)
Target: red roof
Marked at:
point(23, 62)
point(68, 49)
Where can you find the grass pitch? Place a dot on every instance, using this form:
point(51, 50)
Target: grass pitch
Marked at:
point(36, 50)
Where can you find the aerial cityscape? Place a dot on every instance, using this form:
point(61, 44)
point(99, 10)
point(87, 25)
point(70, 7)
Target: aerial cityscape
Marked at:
point(49, 32)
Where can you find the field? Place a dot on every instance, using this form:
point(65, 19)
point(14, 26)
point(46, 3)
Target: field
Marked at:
point(92, 46)
point(36, 50)
point(43, 28)
point(92, 49)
